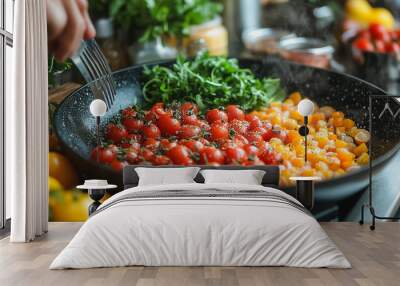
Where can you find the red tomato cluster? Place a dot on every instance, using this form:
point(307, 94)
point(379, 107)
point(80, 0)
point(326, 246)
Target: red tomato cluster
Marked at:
point(378, 39)
point(180, 135)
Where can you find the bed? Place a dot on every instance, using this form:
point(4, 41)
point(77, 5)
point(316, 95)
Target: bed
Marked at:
point(198, 224)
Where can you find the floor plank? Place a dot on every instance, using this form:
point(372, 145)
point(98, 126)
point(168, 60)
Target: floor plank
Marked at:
point(375, 257)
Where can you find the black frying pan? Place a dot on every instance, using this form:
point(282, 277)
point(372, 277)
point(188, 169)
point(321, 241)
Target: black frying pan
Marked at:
point(75, 126)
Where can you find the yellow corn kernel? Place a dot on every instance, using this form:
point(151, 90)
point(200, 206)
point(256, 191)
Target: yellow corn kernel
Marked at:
point(340, 130)
point(321, 166)
point(340, 172)
point(276, 120)
point(363, 159)
point(345, 155)
point(286, 107)
point(290, 124)
point(334, 163)
point(346, 164)
point(313, 158)
point(348, 124)
point(322, 141)
point(360, 149)
point(295, 97)
point(299, 149)
point(353, 131)
point(337, 121)
point(297, 162)
point(340, 144)
point(332, 136)
point(314, 118)
point(296, 116)
point(362, 136)
point(338, 114)
point(327, 174)
point(308, 173)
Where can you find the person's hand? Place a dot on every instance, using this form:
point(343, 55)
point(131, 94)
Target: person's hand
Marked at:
point(68, 23)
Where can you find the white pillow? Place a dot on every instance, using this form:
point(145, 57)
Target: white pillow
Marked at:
point(166, 176)
point(248, 177)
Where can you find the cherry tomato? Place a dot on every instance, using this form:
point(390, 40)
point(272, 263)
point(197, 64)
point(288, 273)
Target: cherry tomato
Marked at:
point(135, 147)
point(135, 137)
point(156, 111)
point(271, 134)
point(240, 140)
point(151, 131)
point(116, 133)
point(118, 165)
point(180, 155)
point(392, 47)
point(166, 144)
point(266, 125)
point(251, 117)
point(364, 34)
point(132, 157)
point(283, 135)
point(146, 154)
point(125, 143)
point(194, 145)
point(219, 132)
point(203, 125)
point(240, 127)
point(189, 108)
point(159, 160)
point(380, 46)
point(215, 115)
point(234, 112)
point(269, 157)
point(168, 125)
point(394, 35)
point(235, 155)
point(151, 144)
point(227, 144)
point(251, 150)
point(106, 155)
point(254, 137)
point(379, 32)
point(128, 112)
point(190, 120)
point(260, 130)
point(255, 123)
point(363, 44)
point(204, 141)
point(189, 131)
point(132, 124)
point(211, 155)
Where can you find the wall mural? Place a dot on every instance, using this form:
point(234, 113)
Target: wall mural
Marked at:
point(210, 110)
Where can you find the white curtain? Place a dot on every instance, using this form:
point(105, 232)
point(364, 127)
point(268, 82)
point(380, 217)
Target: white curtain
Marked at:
point(27, 124)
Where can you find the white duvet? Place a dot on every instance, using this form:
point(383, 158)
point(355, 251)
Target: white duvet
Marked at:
point(200, 231)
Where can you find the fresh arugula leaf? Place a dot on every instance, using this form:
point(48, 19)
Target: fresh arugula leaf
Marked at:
point(210, 82)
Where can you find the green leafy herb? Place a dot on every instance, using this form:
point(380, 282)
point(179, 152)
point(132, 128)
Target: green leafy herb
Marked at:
point(157, 18)
point(53, 67)
point(210, 82)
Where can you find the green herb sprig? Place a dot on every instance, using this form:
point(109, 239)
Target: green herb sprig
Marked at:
point(210, 82)
point(156, 18)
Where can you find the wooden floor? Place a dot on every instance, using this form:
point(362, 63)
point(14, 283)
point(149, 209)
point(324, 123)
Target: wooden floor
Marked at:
point(375, 257)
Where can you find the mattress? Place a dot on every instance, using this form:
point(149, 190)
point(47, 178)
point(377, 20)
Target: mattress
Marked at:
point(201, 225)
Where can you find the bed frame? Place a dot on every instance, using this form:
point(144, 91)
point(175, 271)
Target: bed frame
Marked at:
point(270, 179)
